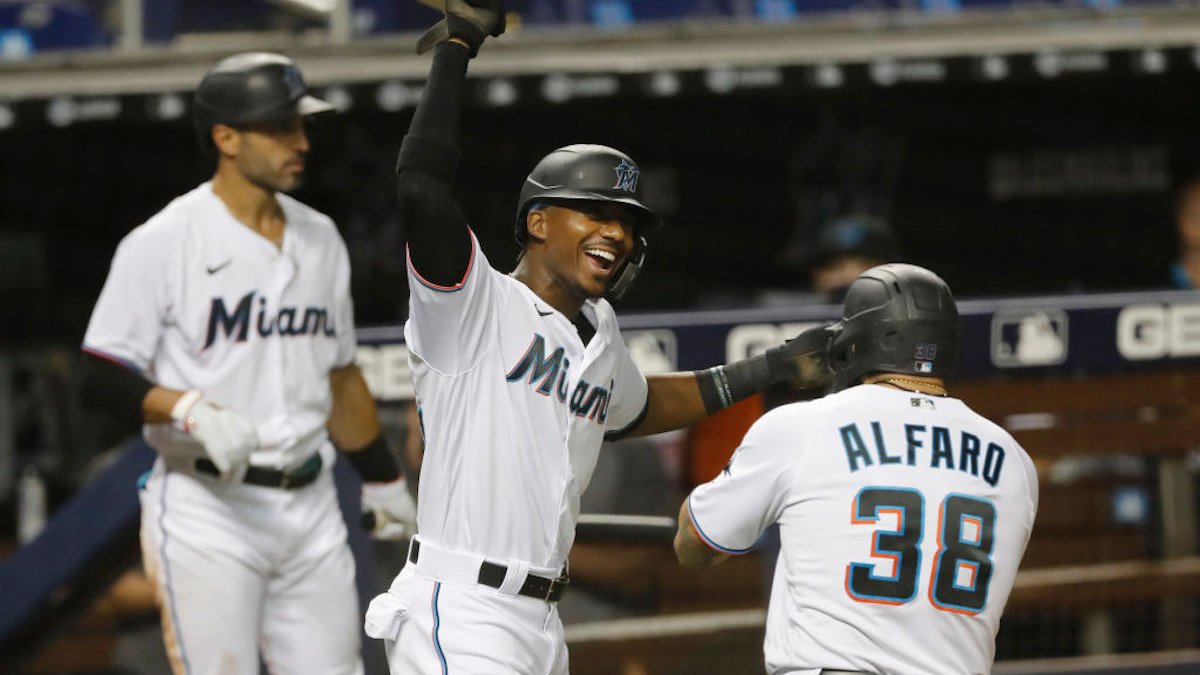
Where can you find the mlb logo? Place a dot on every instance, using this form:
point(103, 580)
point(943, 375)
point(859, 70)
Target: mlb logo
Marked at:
point(654, 351)
point(1024, 338)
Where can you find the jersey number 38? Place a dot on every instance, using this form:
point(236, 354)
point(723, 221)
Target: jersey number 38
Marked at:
point(961, 569)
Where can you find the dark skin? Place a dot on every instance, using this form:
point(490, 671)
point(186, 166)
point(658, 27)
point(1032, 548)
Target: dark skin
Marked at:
point(564, 261)
point(564, 265)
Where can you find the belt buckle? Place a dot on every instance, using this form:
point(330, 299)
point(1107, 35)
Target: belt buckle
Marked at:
point(560, 582)
point(286, 480)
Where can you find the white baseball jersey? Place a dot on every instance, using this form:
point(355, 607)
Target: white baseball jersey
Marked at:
point(514, 408)
point(196, 300)
point(903, 518)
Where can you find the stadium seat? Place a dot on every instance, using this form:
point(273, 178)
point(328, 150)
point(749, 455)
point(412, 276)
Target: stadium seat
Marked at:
point(53, 26)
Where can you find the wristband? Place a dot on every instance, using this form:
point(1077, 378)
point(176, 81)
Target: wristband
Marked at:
point(722, 386)
point(184, 404)
point(375, 462)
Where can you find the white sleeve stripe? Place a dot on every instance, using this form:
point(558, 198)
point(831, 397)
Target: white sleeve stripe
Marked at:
point(445, 289)
point(705, 538)
point(125, 363)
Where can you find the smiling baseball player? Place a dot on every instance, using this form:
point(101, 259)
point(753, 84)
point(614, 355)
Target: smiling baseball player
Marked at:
point(519, 378)
point(903, 514)
point(226, 326)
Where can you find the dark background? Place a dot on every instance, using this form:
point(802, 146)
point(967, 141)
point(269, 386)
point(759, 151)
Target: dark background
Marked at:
point(744, 179)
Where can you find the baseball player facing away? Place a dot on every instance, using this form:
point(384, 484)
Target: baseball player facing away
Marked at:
point(226, 326)
point(519, 378)
point(903, 514)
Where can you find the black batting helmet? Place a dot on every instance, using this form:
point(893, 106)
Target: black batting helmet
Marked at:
point(588, 172)
point(584, 172)
point(896, 318)
point(252, 88)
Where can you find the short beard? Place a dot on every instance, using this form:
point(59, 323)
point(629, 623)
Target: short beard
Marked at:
point(281, 184)
point(271, 181)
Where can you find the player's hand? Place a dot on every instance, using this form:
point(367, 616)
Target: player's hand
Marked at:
point(389, 512)
point(803, 361)
point(468, 20)
point(227, 436)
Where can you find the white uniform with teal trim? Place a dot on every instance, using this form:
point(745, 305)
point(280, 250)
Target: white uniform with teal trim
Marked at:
point(903, 519)
point(514, 407)
point(196, 300)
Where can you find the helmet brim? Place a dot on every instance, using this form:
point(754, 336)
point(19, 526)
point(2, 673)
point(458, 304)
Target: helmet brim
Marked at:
point(311, 105)
point(646, 217)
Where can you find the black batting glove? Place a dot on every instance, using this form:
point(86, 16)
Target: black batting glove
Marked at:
point(803, 361)
point(468, 20)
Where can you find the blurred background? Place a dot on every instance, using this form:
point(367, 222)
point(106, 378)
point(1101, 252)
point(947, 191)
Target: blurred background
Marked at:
point(1040, 155)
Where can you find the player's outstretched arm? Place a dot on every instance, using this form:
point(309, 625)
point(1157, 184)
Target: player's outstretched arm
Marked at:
point(676, 400)
point(439, 245)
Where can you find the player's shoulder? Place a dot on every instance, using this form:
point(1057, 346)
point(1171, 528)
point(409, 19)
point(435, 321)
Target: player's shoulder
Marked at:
point(988, 427)
point(800, 415)
point(807, 416)
point(172, 222)
point(304, 216)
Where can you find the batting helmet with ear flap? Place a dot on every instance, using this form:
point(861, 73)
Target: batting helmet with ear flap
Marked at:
point(595, 173)
point(896, 318)
point(252, 88)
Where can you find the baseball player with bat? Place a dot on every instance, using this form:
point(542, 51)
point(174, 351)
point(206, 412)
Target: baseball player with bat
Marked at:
point(519, 378)
point(903, 514)
point(226, 327)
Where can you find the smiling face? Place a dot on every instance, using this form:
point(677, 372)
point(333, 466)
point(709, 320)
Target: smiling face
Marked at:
point(270, 156)
point(581, 245)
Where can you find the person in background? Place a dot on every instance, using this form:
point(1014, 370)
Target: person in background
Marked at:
point(226, 329)
point(1185, 269)
point(846, 248)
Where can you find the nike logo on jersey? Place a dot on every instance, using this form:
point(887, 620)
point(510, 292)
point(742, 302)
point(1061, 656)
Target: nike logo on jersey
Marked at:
point(288, 321)
point(548, 376)
point(539, 311)
point(217, 268)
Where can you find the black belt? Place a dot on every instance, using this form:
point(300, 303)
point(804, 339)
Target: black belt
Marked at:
point(295, 479)
point(491, 574)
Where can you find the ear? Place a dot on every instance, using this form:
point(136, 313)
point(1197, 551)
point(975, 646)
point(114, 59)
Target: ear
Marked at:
point(536, 225)
point(227, 139)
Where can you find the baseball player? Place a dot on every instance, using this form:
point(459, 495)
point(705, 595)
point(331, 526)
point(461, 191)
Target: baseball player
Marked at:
point(903, 514)
point(519, 378)
point(226, 327)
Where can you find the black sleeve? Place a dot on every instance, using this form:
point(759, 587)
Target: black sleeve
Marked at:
point(439, 243)
point(113, 389)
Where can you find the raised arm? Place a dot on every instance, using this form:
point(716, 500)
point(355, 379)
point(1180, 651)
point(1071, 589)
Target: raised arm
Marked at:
point(439, 244)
